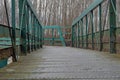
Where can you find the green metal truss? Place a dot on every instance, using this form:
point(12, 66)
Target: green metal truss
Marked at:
point(29, 34)
point(30, 26)
point(58, 28)
point(83, 38)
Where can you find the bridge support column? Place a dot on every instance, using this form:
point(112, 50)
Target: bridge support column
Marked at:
point(82, 28)
point(14, 32)
point(52, 37)
point(100, 27)
point(28, 30)
point(92, 22)
point(72, 36)
point(86, 31)
point(22, 19)
point(78, 34)
point(112, 12)
point(41, 40)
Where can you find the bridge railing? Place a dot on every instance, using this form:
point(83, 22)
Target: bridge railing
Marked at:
point(23, 30)
point(29, 25)
point(53, 35)
point(96, 27)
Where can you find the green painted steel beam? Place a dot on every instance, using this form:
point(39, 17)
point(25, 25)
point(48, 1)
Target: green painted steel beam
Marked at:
point(78, 34)
point(86, 31)
point(92, 29)
point(23, 33)
point(52, 36)
point(82, 28)
point(56, 39)
point(28, 28)
point(72, 36)
point(14, 31)
point(100, 27)
point(51, 27)
point(112, 15)
point(33, 10)
point(58, 28)
point(89, 9)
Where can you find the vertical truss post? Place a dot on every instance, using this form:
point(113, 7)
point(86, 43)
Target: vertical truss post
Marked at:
point(86, 31)
point(52, 37)
point(82, 28)
point(72, 36)
point(22, 12)
point(112, 13)
point(29, 28)
point(41, 36)
point(78, 34)
point(31, 31)
point(92, 22)
point(35, 40)
point(34, 31)
point(37, 36)
point(14, 30)
point(27, 23)
point(100, 27)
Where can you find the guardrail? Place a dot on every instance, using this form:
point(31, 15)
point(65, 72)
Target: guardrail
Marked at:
point(29, 33)
point(101, 34)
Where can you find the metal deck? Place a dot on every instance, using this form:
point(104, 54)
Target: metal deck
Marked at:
point(64, 63)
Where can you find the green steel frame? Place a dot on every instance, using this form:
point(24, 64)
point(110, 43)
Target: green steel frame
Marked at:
point(53, 39)
point(30, 26)
point(78, 23)
point(29, 35)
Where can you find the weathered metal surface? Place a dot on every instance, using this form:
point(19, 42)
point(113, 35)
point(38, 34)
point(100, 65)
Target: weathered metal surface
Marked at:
point(64, 63)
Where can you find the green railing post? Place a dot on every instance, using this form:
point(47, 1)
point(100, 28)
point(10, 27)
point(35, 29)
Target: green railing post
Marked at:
point(92, 24)
point(22, 12)
point(100, 27)
point(32, 32)
point(35, 34)
point(27, 28)
point(78, 34)
point(82, 28)
point(72, 36)
point(41, 36)
point(86, 31)
point(28, 24)
point(112, 26)
point(52, 37)
point(38, 35)
point(14, 30)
